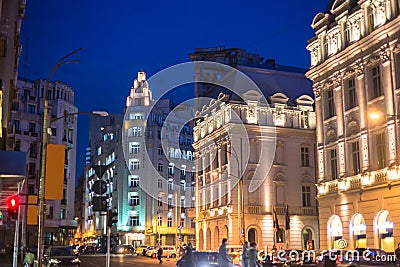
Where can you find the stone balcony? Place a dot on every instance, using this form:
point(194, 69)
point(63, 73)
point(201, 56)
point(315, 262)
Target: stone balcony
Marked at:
point(361, 181)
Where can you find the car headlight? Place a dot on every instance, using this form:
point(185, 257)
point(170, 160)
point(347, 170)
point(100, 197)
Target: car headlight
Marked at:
point(76, 260)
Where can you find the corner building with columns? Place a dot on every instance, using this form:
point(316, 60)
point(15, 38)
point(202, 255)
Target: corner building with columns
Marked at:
point(355, 69)
point(228, 133)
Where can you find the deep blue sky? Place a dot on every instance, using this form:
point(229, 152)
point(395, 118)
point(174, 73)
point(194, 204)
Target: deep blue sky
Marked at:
point(121, 37)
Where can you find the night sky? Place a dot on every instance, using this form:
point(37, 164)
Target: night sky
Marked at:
point(122, 37)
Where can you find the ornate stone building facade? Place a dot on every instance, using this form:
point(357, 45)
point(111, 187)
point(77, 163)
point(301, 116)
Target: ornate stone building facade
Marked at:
point(227, 137)
point(355, 56)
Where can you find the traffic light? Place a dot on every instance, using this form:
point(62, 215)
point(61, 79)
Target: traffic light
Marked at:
point(12, 205)
point(112, 218)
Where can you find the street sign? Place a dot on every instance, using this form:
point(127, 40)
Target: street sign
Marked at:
point(99, 204)
point(99, 187)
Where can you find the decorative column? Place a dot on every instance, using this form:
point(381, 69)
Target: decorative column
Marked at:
point(320, 131)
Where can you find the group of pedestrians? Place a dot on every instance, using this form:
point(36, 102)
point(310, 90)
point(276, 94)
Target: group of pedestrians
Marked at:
point(249, 255)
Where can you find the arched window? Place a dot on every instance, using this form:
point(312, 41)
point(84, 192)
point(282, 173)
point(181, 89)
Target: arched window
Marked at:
point(201, 239)
point(280, 236)
point(252, 235)
point(208, 239)
point(335, 231)
point(358, 229)
point(307, 239)
point(384, 231)
point(216, 237)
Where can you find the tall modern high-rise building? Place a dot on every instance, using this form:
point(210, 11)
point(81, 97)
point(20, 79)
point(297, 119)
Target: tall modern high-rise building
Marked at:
point(149, 172)
point(156, 189)
point(274, 106)
point(355, 68)
point(25, 134)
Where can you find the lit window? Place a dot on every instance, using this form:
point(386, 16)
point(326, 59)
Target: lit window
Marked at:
point(134, 220)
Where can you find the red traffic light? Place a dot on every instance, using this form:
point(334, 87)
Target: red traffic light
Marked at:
point(13, 202)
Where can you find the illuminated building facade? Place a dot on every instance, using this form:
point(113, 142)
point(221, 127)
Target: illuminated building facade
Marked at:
point(24, 134)
point(220, 210)
point(155, 188)
point(355, 56)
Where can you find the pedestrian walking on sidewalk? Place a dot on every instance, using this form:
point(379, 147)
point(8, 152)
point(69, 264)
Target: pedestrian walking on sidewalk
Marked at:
point(159, 253)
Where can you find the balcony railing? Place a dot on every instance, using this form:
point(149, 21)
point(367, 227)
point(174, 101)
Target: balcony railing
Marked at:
point(254, 209)
point(280, 209)
point(359, 181)
point(308, 211)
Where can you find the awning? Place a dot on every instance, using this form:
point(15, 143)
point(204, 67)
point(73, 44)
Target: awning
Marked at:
point(12, 172)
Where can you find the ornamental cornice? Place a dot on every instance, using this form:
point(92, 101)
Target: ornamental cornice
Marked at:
point(384, 53)
point(359, 67)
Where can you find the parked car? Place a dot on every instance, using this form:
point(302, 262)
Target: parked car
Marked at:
point(125, 249)
point(169, 251)
point(203, 259)
point(149, 251)
point(57, 256)
point(141, 250)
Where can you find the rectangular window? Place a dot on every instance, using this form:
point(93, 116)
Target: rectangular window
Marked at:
point(133, 200)
point(306, 194)
point(160, 182)
point(134, 220)
point(135, 116)
point(16, 124)
point(380, 150)
point(171, 169)
point(376, 90)
point(169, 222)
point(62, 214)
point(169, 202)
point(182, 224)
point(134, 148)
point(159, 220)
point(351, 94)
point(159, 203)
point(333, 159)
point(32, 109)
point(355, 156)
point(32, 168)
point(160, 151)
point(160, 167)
point(330, 104)
point(305, 157)
point(50, 213)
point(134, 164)
point(32, 127)
point(346, 31)
point(170, 185)
point(133, 180)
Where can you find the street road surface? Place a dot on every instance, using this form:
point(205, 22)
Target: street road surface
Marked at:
point(99, 260)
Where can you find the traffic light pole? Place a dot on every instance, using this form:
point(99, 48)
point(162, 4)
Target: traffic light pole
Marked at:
point(108, 228)
point(16, 234)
